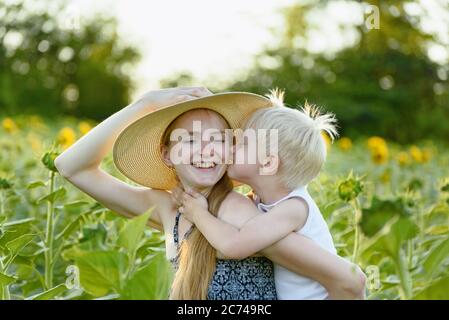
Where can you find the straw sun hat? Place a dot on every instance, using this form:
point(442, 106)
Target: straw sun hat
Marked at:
point(137, 150)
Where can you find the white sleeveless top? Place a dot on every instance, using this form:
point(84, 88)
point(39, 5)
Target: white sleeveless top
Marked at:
point(292, 286)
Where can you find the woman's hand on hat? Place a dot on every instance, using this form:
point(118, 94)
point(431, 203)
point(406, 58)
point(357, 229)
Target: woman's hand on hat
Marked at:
point(193, 205)
point(156, 99)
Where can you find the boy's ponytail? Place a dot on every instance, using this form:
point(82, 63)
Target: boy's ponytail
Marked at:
point(301, 145)
point(321, 121)
point(276, 97)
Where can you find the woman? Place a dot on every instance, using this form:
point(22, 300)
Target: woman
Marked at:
point(197, 264)
point(143, 151)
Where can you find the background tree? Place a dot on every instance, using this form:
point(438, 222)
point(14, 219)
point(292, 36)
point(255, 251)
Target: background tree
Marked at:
point(382, 84)
point(49, 69)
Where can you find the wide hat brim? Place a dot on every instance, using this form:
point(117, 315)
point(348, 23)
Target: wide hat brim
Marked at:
point(137, 150)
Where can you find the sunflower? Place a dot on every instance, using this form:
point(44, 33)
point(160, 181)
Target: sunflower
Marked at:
point(416, 154)
point(66, 137)
point(345, 144)
point(9, 125)
point(379, 149)
point(403, 158)
point(376, 142)
point(84, 127)
point(426, 155)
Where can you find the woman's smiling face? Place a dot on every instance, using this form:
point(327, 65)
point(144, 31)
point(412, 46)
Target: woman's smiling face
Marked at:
point(197, 148)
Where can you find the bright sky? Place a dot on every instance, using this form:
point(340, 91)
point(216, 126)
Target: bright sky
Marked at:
point(211, 39)
point(216, 40)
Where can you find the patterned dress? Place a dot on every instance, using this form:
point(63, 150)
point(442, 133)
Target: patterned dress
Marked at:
point(248, 279)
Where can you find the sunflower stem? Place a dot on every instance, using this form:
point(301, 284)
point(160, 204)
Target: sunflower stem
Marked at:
point(4, 289)
point(357, 217)
point(405, 288)
point(48, 276)
point(2, 202)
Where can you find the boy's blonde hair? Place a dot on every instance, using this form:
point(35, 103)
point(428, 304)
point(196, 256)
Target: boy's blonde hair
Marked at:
point(301, 146)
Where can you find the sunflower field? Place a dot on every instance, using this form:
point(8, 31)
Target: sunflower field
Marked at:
point(387, 206)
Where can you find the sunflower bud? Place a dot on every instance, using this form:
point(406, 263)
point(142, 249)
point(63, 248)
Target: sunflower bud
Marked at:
point(445, 188)
point(49, 160)
point(5, 184)
point(349, 189)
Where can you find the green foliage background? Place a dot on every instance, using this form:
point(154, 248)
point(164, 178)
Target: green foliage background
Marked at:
point(391, 217)
point(54, 70)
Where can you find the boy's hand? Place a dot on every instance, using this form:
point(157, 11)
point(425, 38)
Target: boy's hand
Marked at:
point(193, 204)
point(176, 195)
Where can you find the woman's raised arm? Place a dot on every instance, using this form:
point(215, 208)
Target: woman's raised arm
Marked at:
point(80, 163)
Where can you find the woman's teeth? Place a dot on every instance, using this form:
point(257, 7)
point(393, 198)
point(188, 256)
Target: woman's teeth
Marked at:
point(204, 165)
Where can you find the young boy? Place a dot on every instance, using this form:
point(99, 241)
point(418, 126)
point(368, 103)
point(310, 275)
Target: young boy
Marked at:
point(279, 177)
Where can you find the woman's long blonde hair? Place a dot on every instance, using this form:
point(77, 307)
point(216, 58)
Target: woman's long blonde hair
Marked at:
point(197, 258)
